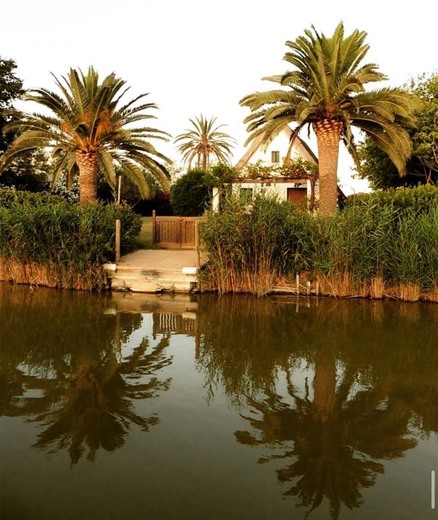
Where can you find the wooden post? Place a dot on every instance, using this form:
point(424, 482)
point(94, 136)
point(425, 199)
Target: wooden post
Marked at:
point(154, 227)
point(118, 227)
point(298, 283)
point(119, 189)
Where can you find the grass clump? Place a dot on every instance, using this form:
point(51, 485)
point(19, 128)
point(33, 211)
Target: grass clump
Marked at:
point(46, 241)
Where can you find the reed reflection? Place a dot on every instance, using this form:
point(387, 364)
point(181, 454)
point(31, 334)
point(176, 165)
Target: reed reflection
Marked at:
point(371, 381)
point(74, 374)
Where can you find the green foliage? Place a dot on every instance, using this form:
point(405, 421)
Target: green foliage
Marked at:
point(296, 168)
point(250, 245)
point(422, 166)
point(11, 87)
point(10, 197)
point(391, 236)
point(223, 173)
point(68, 240)
point(422, 199)
point(28, 172)
point(191, 194)
point(399, 236)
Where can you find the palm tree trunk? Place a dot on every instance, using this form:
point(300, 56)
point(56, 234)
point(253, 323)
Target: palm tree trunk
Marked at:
point(324, 387)
point(88, 168)
point(328, 135)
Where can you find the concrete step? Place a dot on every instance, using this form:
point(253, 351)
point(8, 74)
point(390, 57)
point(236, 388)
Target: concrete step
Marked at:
point(136, 279)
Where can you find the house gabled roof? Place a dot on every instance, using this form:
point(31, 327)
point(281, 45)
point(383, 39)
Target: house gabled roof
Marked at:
point(257, 144)
point(300, 146)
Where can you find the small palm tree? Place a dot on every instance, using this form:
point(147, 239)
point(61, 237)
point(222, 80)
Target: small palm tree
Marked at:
point(327, 92)
point(88, 129)
point(202, 141)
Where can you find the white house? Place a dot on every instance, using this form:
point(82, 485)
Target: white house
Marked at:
point(301, 187)
point(276, 150)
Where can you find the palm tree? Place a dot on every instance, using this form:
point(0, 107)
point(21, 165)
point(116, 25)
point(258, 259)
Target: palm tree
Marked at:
point(326, 91)
point(202, 141)
point(88, 130)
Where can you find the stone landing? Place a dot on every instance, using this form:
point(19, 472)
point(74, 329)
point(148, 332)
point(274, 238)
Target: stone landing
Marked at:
point(155, 271)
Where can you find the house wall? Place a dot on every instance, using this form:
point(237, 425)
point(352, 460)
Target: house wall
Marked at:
point(280, 144)
point(278, 189)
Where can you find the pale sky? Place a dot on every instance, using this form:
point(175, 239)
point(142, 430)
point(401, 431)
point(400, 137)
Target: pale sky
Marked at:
point(200, 56)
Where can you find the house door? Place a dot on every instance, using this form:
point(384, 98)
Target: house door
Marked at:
point(297, 195)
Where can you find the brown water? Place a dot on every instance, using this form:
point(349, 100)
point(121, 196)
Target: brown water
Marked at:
point(121, 407)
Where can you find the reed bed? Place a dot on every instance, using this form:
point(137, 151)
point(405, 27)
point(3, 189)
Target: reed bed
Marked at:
point(251, 247)
point(379, 246)
point(47, 241)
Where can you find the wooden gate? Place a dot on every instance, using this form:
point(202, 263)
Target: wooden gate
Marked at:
point(175, 232)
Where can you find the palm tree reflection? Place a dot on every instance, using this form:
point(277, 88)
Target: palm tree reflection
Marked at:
point(328, 437)
point(72, 371)
point(333, 442)
point(97, 408)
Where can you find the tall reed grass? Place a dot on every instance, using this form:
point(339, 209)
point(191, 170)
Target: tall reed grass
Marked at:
point(379, 246)
point(251, 246)
point(46, 241)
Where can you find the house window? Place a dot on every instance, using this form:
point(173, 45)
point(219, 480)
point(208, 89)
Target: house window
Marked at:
point(275, 156)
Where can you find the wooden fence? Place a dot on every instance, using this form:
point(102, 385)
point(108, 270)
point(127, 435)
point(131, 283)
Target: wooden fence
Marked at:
point(175, 232)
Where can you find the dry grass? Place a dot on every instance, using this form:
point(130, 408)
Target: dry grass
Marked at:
point(377, 288)
point(408, 292)
point(31, 273)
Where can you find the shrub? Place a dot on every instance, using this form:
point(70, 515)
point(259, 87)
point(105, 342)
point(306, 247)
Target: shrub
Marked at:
point(191, 194)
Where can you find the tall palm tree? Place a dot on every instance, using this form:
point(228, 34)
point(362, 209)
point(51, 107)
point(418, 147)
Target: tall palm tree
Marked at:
point(203, 141)
point(88, 129)
point(327, 92)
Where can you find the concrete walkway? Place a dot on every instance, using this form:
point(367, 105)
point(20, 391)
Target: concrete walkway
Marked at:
point(160, 259)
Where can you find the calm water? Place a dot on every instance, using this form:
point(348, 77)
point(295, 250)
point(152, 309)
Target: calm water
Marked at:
point(121, 407)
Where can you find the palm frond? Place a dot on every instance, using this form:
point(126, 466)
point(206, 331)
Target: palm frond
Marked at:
point(85, 117)
point(204, 140)
point(327, 82)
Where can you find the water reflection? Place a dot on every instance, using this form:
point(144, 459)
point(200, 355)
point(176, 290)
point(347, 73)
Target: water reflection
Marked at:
point(371, 383)
point(326, 392)
point(62, 365)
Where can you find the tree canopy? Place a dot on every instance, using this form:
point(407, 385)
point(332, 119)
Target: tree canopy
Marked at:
point(11, 89)
point(28, 172)
point(191, 193)
point(422, 166)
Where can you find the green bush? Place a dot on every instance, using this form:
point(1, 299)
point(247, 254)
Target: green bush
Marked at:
point(191, 194)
